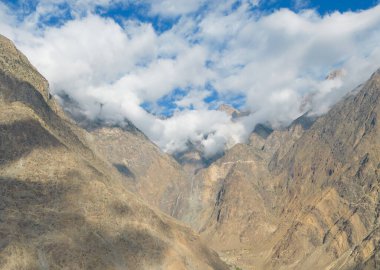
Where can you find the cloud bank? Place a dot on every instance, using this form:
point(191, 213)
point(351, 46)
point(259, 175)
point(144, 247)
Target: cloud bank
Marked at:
point(273, 65)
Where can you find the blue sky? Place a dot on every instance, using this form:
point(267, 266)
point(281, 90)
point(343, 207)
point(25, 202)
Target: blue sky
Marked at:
point(322, 6)
point(168, 65)
point(139, 10)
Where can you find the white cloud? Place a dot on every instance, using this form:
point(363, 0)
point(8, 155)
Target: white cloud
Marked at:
point(212, 129)
point(175, 7)
point(268, 55)
point(276, 61)
point(194, 99)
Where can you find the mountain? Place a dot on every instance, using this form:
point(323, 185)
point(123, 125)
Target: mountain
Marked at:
point(148, 172)
point(62, 206)
point(302, 197)
point(229, 110)
point(305, 197)
point(331, 178)
point(233, 201)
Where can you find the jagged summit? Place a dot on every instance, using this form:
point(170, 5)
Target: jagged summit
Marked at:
point(229, 110)
point(338, 73)
point(15, 64)
point(263, 130)
point(376, 75)
point(233, 112)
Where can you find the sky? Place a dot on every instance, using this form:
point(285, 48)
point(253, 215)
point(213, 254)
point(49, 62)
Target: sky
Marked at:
point(168, 65)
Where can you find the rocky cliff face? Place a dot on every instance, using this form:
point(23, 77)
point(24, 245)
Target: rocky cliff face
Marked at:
point(303, 198)
point(331, 178)
point(63, 207)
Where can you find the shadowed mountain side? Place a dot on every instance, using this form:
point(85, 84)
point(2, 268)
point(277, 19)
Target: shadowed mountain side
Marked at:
point(13, 63)
point(21, 137)
point(61, 206)
point(36, 235)
point(13, 91)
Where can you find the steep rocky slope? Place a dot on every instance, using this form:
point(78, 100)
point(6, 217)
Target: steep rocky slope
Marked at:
point(302, 198)
point(331, 178)
point(61, 206)
point(152, 174)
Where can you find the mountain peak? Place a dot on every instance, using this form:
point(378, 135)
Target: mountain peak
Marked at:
point(376, 75)
point(231, 111)
point(15, 64)
point(337, 73)
point(369, 92)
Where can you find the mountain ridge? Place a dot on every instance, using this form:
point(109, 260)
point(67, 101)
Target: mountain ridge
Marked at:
point(61, 206)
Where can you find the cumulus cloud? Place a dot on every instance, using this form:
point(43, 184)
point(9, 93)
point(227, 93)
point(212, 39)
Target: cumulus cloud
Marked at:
point(277, 62)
